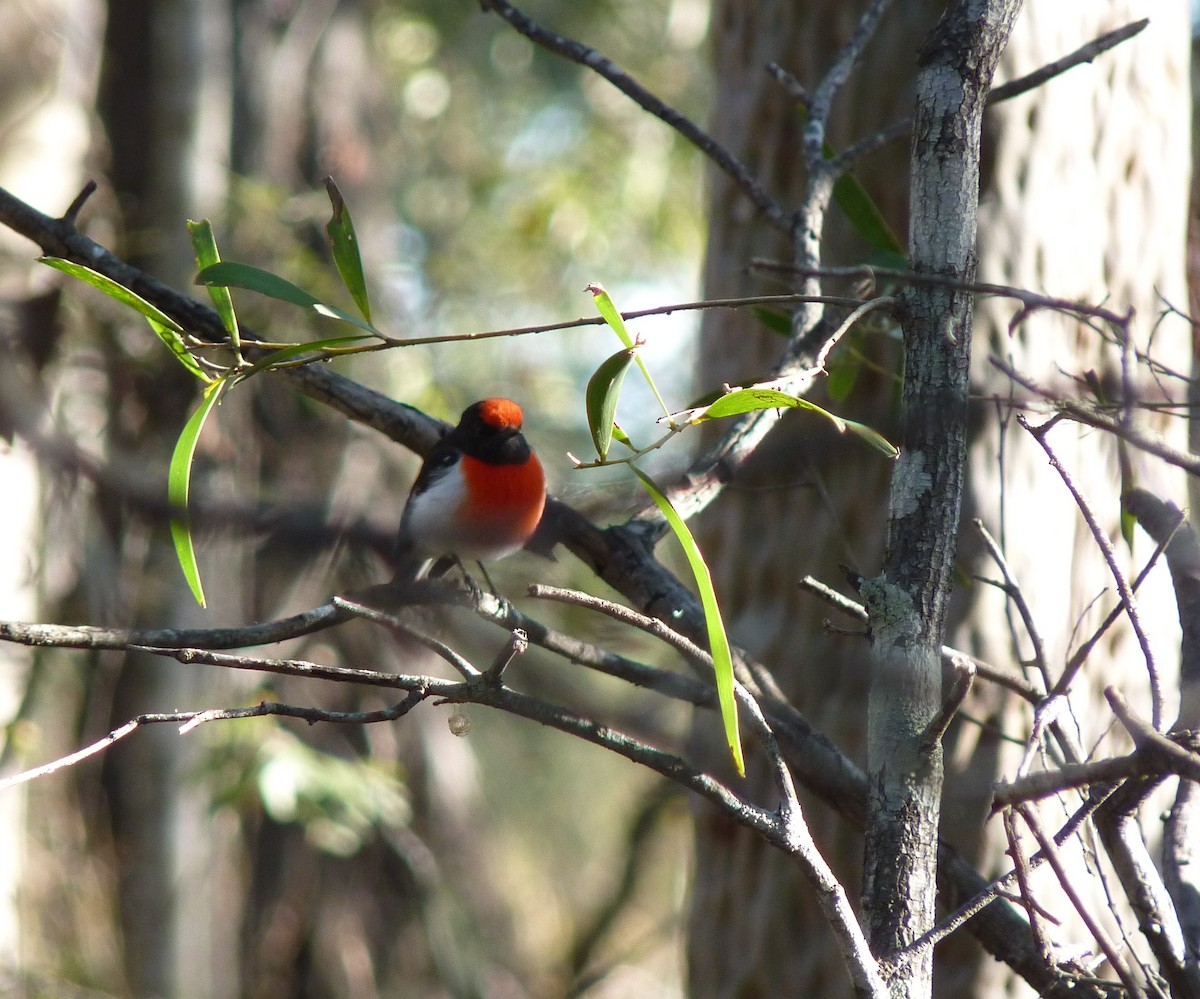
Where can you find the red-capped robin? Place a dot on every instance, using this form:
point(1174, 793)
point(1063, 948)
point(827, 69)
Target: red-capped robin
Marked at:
point(479, 495)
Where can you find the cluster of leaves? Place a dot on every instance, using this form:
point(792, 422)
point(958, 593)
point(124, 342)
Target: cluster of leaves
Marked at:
point(601, 398)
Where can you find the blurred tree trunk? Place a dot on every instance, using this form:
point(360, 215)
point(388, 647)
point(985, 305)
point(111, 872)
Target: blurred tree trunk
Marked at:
point(754, 929)
point(160, 109)
point(49, 69)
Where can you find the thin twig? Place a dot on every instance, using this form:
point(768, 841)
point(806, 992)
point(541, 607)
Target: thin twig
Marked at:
point(601, 65)
point(901, 127)
point(1094, 416)
point(964, 674)
point(188, 720)
point(1050, 849)
point(391, 621)
point(996, 888)
point(1039, 434)
point(517, 645)
point(1083, 54)
point(1013, 589)
point(1031, 300)
point(1171, 754)
point(1025, 896)
point(834, 79)
point(993, 674)
point(651, 625)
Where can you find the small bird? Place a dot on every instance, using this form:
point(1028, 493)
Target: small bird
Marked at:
point(479, 495)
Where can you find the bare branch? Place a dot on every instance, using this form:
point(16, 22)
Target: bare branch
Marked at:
point(1006, 91)
point(579, 53)
point(1093, 416)
point(1029, 299)
point(822, 97)
point(1013, 589)
point(1050, 849)
point(1173, 756)
point(1039, 434)
point(1083, 54)
point(1045, 783)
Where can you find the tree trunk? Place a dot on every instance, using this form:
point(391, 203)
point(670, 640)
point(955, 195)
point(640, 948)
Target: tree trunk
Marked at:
point(826, 501)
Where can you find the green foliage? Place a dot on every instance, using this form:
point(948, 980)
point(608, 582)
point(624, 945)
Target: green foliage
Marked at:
point(339, 802)
point(747, 400)
point(868, 221)
point(603, 390)
point(718, 641)
point(229, 274)
point(204, 245)
point(606, 308)
point(344, 244)
point(165, 328)
point(179, 478)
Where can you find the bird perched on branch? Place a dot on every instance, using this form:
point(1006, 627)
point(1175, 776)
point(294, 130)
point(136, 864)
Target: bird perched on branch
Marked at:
point(479, 495)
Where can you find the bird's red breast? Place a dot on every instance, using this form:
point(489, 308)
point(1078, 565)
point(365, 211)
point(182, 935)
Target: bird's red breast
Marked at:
point(503, 501)
point(480, 493)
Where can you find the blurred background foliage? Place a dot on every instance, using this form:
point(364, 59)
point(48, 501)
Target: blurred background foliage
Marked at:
point(490, 182)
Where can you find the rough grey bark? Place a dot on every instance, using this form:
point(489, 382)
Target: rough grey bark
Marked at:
point(1053, 155)
point(908, 602)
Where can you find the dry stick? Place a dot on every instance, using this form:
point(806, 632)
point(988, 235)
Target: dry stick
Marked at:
point(1079, 657)
point(1123, 588)
point(1095, 416)
point(1029, 299)
point(834, 79)
point(1050, 850)
point(994, 674)
point(1180, 760)
point(1023, 873)
point(1013, 590)
point(439, 648)
point(996, 888)
point(831, 896)
point(583, 55)
point(863, 968)
point(193, 719)
point(1045, 783)
point(1014, 88)
point(1169, 526)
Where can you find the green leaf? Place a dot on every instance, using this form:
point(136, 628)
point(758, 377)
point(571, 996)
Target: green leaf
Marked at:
point(612, 316)
point(167, 330)
point(235, 275)
point(174, 343)
point(872, 437)
point(621, 437)
point(113, 290)
point(774, 320)
point(868, 221)
point(204, 245)
point(843, 370)
point(344, 242)
point(718, 642)
point(603, 390)
point(178, 484)
point(749, 400)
